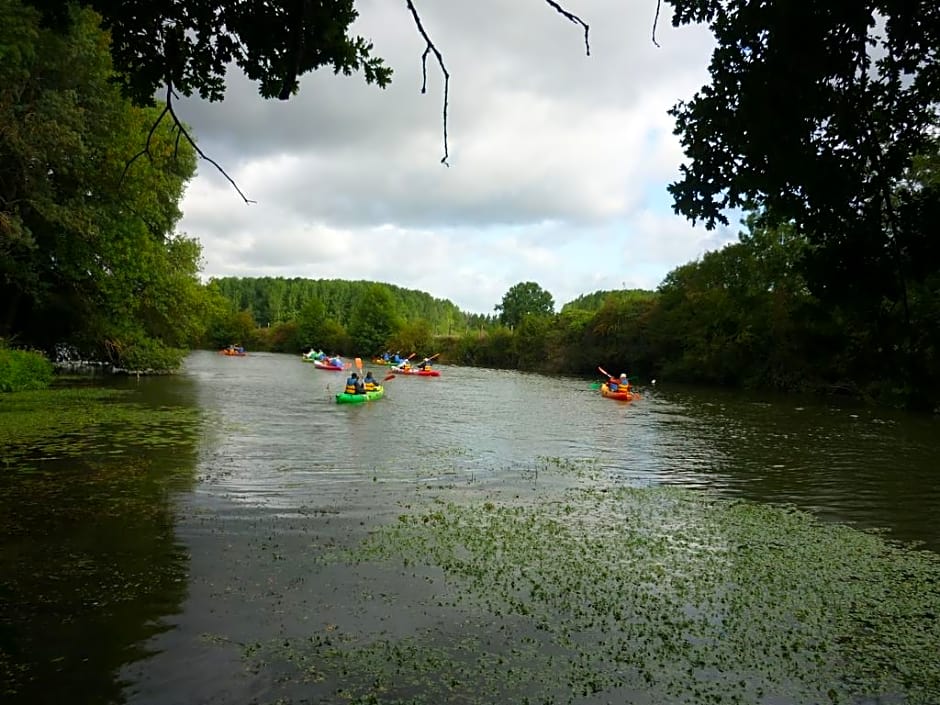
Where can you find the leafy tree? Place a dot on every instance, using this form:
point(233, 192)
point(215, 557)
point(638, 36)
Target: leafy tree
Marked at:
point(335, 338)
point(86, 255)
point(813, 109)
point(373, 321)
point(524, 299)
point(530, 341)
point(310, 323)
point(596, 299)
point(190, 45)
point(818, 112)
point(414, 336)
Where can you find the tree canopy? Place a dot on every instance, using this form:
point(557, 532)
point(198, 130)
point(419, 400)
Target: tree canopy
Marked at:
point(524, 299)
point(189, 45)
point(88, 256)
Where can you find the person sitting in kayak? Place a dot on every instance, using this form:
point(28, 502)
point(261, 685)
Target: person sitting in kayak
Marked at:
point(622, 384)
point(352, 383)
point(424, 364)
point(369, 382)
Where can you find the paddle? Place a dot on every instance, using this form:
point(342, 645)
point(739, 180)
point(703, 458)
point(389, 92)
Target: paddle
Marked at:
point(430, 358)
point(605, 372)
point(388, 377)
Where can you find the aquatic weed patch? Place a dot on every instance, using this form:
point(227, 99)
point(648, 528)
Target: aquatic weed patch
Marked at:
point(682, 596)
point(77, 421)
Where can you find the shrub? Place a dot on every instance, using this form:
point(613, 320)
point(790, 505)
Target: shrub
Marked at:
point(23, 369)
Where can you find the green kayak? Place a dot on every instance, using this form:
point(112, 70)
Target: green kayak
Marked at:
point(344, 398)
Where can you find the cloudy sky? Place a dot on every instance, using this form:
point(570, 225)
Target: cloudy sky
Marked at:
point(559, 162)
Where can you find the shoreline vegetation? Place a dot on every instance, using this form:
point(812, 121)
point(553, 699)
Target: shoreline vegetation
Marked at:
point(832, 286)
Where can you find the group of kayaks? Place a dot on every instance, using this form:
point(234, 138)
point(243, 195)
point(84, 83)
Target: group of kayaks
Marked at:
point(336, 364)
point(614, 388)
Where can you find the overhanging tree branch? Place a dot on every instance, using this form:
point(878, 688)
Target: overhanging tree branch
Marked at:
point(430, 48)
point(146, 148)
point(181, 133)
point(576, 20)
point(192, 142)
point(656, 20)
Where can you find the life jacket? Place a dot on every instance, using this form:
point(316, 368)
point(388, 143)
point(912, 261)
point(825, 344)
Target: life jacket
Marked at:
point(370, 386)
point(350, 386)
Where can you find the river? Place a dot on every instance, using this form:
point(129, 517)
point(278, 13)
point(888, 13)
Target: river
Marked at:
point(279, 472)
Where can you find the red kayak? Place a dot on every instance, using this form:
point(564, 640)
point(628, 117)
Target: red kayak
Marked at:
point(416, 371)
point(324, 366)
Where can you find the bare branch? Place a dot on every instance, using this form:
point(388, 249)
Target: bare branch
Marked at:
point(181, 132)
point(424, 70)
point(184, 133)
point(656, 21)
point(576, 20)
point(146, 149)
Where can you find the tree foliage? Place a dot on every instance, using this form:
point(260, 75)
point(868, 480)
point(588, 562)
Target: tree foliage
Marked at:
point(373, 321)
point(189, 45)
point(276, 300)
point(814, 109)
point(524, 299)
point(87, 254)
point(822, 114)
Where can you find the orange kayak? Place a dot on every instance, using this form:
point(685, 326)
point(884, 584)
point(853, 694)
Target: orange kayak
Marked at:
point(619, 395)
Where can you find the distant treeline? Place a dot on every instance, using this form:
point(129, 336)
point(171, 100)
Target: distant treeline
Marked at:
point(274, 300)
point(749, 315)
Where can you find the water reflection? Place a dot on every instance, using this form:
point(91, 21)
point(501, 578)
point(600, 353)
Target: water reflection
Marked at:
point(90, 565)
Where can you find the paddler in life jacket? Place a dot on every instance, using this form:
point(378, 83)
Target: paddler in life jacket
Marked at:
point(369, 382)
point(352, 383)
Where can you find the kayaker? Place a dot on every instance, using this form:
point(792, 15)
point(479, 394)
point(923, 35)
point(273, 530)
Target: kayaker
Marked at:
point(615, 384)
point(352, 383)
point(424, 364)
point(369, 382)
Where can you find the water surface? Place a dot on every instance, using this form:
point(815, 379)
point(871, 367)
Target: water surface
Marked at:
point(144, 573)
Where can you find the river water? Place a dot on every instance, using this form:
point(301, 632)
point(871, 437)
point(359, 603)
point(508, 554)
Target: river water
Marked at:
point(279, 470)
point(286, 437)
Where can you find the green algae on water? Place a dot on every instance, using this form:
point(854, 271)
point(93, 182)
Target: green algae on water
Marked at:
point(74, 421)
point(619, 594)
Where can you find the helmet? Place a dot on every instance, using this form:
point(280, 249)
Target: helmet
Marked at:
point(623, 375)
point(355, 376)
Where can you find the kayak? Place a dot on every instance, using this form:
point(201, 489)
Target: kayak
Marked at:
point(380, 361)
point(324, 366)
point(233, 353)
point(344, 398)
point(416, 371)
point(618, 395)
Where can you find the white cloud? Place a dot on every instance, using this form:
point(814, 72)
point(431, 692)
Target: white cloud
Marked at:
point(559, 161)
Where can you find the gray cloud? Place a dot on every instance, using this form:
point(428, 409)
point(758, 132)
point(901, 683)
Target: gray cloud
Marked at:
point(554, 157)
